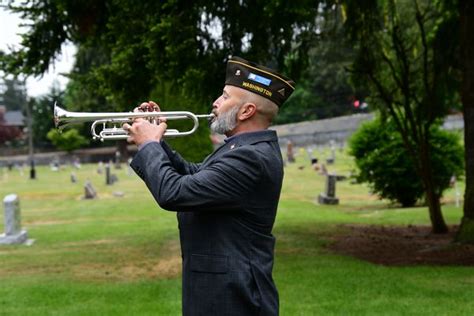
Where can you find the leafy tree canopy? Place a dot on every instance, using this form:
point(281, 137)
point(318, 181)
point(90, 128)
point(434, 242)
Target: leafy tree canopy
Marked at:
point(127, 47)
point(409, 64)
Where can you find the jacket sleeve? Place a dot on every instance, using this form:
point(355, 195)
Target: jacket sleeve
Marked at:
point(221, 186)
point(182, 166)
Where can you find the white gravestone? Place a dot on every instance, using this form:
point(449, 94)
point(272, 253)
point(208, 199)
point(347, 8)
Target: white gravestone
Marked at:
point(332, 158)
point(129, 169)
point(118, 158)
point(20, 169)
point(13, 232)
point(100, 167)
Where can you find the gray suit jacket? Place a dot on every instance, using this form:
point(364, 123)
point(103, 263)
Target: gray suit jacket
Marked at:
point(226, 209)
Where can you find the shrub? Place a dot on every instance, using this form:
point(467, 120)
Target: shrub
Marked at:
point(384, 163)
point(67, 140)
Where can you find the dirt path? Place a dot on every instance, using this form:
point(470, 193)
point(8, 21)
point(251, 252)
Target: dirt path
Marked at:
point(401, 246)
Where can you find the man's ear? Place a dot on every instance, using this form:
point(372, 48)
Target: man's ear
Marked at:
point(247, 111)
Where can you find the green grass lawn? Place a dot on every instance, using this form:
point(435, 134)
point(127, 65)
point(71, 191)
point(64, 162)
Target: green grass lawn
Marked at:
point(120, 255)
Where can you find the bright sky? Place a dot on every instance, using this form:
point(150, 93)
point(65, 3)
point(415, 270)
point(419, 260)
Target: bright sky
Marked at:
point(9, 30)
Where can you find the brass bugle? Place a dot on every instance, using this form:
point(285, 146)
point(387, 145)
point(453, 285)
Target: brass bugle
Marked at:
point(63, 118)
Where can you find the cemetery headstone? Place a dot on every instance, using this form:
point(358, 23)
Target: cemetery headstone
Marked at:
point(107, 175)
point(54, 165)
point(113, 178)
point(73, 177)
point(117, 160)
point(110, 178)
point(32, 170)
point(76, 163)
point(89, 191)
point(458, 197)
point(100, 167)
point(332, 157)
point(20, 169)
point(329, 194)
point(289, 152)
point(452, 181)
point(118, 194)
point(13, 232)
point(129, 169)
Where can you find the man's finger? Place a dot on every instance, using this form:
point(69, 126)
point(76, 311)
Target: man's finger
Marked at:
point(155, 106)
point(145, 106)
point(162, 128)
point(126, 126)
point(142, 107)
point(139, 119)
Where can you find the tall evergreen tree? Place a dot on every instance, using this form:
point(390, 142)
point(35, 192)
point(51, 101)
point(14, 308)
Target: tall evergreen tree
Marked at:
point(13, 96)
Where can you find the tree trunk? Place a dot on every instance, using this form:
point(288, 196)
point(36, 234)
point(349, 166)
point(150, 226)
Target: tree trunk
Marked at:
point(438, 225)
point(466, 12)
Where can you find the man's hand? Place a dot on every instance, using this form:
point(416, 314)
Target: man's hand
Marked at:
point(142, 131)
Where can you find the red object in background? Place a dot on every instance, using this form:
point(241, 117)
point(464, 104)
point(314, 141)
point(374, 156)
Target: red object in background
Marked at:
point(7, 131)
point(356, 103)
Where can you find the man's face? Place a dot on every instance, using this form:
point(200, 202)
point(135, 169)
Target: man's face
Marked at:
point(225, 109)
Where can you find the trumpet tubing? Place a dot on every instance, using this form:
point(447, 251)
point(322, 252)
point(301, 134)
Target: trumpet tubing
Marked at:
point(63, 118)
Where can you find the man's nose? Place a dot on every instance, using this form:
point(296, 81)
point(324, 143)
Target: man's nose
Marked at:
point(217, 103)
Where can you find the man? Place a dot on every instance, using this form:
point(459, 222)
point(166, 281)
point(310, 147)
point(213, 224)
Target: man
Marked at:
point(227, 204)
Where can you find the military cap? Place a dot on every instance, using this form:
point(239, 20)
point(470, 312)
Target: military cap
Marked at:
point(258, 79)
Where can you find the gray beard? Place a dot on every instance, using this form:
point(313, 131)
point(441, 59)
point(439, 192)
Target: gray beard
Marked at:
point(225, 122)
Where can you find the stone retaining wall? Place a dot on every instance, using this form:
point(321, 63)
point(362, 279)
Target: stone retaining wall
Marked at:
point(337, 129)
